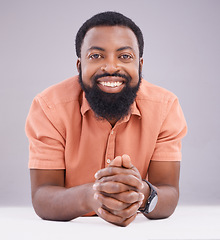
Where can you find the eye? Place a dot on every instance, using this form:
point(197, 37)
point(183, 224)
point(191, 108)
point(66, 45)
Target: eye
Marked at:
point(126, 57)
point(95, 56)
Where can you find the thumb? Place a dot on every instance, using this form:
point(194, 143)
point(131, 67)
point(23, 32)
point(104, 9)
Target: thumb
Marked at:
point(126, 161)
point(117, 162)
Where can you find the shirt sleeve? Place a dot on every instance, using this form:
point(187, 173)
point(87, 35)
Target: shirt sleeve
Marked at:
point(173, 129)
point(46, 143)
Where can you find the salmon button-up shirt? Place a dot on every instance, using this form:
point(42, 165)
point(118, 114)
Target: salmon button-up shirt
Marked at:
point(64, 132)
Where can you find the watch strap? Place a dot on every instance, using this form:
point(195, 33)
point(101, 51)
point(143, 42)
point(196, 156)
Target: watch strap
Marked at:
point(153, 194)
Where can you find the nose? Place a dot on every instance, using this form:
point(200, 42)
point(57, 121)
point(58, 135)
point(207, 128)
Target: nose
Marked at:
point(110, 65)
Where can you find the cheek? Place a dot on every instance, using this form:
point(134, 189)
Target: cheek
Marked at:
point(135, 76)
point(87, 73)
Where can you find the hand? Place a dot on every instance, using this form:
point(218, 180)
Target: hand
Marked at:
point(118, 190)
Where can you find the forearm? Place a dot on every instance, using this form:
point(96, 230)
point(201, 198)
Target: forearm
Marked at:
point(167, 201)
point(62, 204)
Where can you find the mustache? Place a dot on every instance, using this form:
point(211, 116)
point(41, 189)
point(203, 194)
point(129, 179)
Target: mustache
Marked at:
point(126, 77)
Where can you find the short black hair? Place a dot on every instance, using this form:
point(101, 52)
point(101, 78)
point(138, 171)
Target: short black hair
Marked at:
point(108, 19)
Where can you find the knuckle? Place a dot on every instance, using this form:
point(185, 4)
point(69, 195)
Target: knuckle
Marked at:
point(124, 214)
point(130, 211)
point(118, 205)
point(116, 187)
point(136, 182)
point(133, 179)
point(120, 220)
point(103, 179)
point(132, 196)
point(110, 170)
point(127, 213)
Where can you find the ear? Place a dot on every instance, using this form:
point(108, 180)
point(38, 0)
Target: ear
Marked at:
point(78, 64)
point(141, 63)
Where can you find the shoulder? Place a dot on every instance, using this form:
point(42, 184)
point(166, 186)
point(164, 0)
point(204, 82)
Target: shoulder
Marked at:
point(153, 93)
point(55, 105)
point(66, 91)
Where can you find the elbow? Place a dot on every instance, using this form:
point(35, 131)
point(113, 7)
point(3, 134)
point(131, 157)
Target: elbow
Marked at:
point(50, 214)
point(160, 214)
point(48, 211)
point(166, 205)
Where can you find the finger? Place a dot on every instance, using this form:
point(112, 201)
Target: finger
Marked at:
point(109, 217)
point(129, 211)
point(110, 203)
point(110, 171)
point(129, 180)
point(128, 221)
point(129, 196)
point(126, 161)
point(112, 187)
point(117, 162)
point(117, 220)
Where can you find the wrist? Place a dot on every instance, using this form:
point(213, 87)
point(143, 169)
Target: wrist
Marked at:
point(89, 200)
point(146, 192)
point(150, 202)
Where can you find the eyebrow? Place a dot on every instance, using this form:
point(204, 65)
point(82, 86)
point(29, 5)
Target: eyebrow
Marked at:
point(96, 48)
point(102, 49)
point(124, 48)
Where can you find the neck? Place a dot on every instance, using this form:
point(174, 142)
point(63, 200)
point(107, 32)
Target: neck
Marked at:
point(112, 122)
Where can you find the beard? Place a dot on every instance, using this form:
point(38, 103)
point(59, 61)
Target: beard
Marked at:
point(110, 106)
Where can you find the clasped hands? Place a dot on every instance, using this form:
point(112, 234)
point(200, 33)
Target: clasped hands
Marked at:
point(117, 191)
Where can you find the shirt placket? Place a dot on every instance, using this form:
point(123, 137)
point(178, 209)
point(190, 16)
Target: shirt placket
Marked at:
point(110, 150)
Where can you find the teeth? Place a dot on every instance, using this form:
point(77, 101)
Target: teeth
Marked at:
point(111, 84)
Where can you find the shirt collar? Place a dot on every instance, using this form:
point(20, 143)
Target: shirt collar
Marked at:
point(85, 105)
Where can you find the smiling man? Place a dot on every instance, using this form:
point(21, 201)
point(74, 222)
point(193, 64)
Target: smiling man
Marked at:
point(109, 70)
point(106, 142)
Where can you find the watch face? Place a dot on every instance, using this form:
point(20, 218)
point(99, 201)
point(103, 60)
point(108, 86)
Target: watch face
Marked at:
point(153, 203)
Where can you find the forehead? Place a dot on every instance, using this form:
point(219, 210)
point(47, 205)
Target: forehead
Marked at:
point(110, 37)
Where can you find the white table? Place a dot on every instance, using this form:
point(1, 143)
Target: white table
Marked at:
point(188, 222)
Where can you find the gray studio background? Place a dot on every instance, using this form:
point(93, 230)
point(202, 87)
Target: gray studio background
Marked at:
point(182, 54)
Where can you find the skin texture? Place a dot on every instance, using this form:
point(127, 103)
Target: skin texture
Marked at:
point(110, 49)
point(115, 203)
point(118, 191)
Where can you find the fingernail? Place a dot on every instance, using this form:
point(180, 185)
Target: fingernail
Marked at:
point(96, 174)
point(96, 196)
point(95, 186)
point(142, 196)
point(100, 210)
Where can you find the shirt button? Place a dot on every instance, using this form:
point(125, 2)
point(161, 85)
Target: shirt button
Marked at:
point(108, 161)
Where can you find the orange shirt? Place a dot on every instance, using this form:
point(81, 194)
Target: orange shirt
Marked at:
point(65, 134)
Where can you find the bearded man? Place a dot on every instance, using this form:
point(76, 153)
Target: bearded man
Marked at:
point(106, 142)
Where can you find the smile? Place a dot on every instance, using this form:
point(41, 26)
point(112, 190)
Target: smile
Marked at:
point(111, 84)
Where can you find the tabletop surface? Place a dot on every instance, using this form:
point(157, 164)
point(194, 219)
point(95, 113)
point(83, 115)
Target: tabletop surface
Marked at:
point(187, 222)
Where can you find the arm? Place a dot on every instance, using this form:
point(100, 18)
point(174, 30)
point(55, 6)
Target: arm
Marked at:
point(52, 201)
point(165, 177)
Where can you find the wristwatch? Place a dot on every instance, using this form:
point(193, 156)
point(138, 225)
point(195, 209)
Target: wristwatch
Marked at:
point(151, 201)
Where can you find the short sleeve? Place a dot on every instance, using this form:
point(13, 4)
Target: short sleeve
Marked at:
point(173, 129)
point(46, 143)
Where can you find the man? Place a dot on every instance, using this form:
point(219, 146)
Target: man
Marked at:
point(106, 142)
